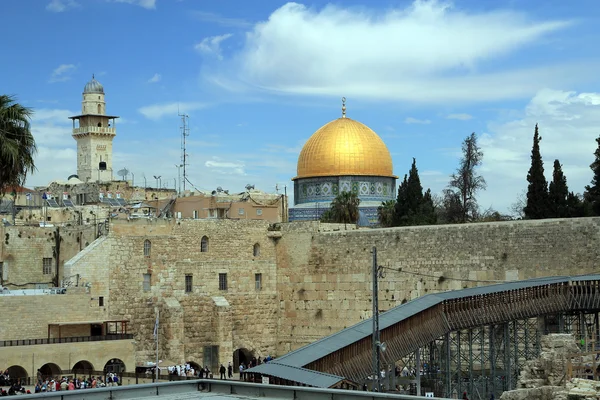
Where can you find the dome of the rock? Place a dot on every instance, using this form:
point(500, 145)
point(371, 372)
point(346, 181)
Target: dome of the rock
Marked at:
point(344, 147)
point(342, 156)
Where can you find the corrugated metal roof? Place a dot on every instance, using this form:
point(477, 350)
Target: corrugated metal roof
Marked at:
point(319, 349)
point(300, 375)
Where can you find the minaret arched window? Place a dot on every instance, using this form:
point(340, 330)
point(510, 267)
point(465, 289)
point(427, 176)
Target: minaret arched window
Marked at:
point(256, 250)
point(99, 108)
point(147, 248)
point(204, 244)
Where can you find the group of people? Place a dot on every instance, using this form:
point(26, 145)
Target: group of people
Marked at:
point(14, 385)
point(66, 383)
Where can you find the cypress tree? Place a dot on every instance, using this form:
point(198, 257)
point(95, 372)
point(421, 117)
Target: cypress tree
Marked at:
point(558, 192)
point(414, 192)
point(401, 207)
point(537, 190)
point(592, 192)
point(428, 214)
point(412, 207)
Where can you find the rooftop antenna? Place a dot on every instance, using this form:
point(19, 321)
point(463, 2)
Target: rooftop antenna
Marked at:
point(123, 173)
point(185, 132)
point(343, 107)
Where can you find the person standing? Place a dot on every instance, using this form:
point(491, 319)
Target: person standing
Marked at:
point(230, 370)
point(222, 371)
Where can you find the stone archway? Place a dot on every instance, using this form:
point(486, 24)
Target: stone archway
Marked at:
point(50, 370)
point(17, 372)
point(114, 365)
point(241, 355)
point(194, 365)
point(83, 367)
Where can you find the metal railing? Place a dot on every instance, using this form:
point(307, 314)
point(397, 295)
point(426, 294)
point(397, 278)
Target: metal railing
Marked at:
point(73, 339)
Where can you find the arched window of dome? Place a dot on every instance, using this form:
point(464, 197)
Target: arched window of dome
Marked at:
point(147, 248)
point(99, 108)
point(256, 250)
point(204, 244)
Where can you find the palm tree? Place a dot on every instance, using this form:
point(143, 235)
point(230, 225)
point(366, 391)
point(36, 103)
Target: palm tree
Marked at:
point(17, 145)
point(385, 213)
point(344, 208)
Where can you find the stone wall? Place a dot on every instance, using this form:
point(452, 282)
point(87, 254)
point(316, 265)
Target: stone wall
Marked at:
point(23, 249)
point(324, 278)
point(31, 314)
point(115, 267)
point(66, 355)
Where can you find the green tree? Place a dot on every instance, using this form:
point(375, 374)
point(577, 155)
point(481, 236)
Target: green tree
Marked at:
point(576, 207)
point(428, 214)
point(412, 207)
point(537, 191)
point(401, 209)
point(344, 209)
point(452, 211)
point(17, 145)
point(465, 181)
point(385, 213)
point(558, 192)
point(592, 192)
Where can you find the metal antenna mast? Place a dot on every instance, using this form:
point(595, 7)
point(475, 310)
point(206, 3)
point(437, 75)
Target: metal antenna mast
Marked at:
point(185, 132)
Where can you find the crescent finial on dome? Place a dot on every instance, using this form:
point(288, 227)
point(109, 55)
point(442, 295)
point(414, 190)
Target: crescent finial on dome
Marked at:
point(343, 107)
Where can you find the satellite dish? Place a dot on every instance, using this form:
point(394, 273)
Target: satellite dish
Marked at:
point(249, 187)
point(383, 347)
point(219, 189)
point(123, 172)
point(73, 176)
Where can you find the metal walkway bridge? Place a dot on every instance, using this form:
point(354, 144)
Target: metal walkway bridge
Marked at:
point(474, 340)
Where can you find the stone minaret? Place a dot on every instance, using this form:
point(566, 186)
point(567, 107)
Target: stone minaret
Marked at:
point(94, 132)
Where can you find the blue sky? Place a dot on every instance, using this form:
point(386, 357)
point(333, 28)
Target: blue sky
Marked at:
point(258, 78)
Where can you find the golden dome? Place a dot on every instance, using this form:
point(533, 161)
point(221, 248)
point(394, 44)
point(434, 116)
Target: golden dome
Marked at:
point(344, 147)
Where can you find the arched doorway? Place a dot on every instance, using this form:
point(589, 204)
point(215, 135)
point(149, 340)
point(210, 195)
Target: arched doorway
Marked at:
point(114, 365)
point(50, 370)
point(241, 356)
point(83, 367)
point(194, 365)
point(15, 372)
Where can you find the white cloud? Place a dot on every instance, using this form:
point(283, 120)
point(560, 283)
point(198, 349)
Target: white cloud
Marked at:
point(568, 123)
point(61, 5)
point(147, 4)
point(157, 111)
point(226, 167)
point(205, 16)
point(335, 50)
point(212, 45)
point(411, 120)
point(155, 78)
point(62, 73)
point(460, 117)
point(56, 157)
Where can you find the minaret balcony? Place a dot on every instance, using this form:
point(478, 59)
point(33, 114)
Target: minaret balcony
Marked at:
point(95, 129)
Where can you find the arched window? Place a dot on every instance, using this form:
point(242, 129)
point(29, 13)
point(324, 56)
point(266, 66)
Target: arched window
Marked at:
point(99, 124)
point(147, 247)
point(256, 250)
point(99, 109)
point(204, 244)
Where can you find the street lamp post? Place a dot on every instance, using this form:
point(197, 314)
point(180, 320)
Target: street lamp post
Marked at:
point(378, 347)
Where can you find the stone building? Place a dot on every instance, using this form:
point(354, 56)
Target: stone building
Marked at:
point(94, 131)
point(251, 204)
point(343, 156)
